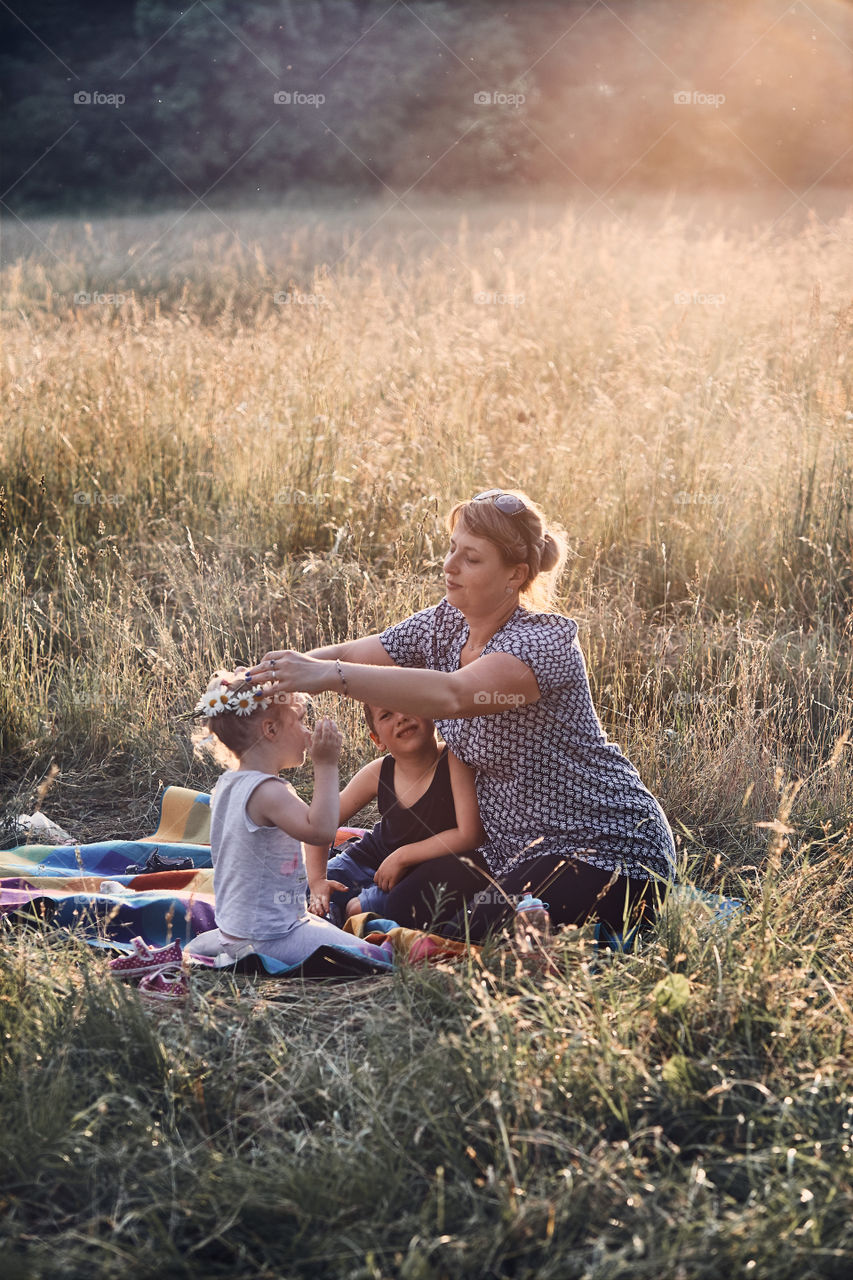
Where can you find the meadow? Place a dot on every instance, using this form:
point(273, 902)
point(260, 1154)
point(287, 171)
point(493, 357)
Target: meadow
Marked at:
point(245, 430)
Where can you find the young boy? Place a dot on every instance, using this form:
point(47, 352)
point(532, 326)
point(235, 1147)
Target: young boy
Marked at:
point(427, 806)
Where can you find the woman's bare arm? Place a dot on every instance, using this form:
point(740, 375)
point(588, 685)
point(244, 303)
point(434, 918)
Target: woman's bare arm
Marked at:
point(367, 649)
point(492, 684)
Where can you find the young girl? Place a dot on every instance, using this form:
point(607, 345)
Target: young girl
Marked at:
point(258, 823)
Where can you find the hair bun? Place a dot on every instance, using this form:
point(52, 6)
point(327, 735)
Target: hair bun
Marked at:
point(550, 553)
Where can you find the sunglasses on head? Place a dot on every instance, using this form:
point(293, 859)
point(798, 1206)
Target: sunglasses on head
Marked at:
point(508, 503)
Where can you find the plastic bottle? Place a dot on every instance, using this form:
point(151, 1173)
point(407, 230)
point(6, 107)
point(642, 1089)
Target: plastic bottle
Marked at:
point(532, 924)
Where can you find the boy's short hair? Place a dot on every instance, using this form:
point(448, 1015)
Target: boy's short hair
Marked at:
point(368, 717)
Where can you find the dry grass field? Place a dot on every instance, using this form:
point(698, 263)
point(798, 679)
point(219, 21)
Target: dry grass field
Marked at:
point(214, 441)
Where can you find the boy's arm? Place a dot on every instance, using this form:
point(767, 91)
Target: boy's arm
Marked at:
point(360, 790)
point(468, 822)
point(465, 836)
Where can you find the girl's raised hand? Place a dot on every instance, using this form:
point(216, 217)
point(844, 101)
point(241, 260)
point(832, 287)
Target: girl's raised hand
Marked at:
point(326, 742)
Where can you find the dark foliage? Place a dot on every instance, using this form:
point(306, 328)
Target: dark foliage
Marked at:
point(386, 96)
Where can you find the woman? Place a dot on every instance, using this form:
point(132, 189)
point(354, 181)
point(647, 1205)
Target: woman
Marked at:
point(565, 812)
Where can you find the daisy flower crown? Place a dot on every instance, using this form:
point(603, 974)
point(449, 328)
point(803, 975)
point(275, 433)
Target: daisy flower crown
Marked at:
point(242, 701)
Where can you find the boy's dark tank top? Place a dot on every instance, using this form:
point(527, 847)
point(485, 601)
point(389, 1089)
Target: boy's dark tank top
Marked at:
point(433, 812)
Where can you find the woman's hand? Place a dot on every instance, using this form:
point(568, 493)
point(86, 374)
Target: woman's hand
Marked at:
point(326, 742)
point(286, 671)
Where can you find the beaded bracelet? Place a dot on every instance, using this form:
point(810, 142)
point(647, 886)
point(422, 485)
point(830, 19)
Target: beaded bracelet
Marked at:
point(342, 677)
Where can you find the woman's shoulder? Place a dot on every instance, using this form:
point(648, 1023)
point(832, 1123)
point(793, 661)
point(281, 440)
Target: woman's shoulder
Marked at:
point(527, 623)
point(546, 642)
point(437, 619)
point(443, 614)
point(447, 617)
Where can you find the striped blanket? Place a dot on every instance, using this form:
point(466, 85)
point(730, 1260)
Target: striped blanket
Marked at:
point(88, 890)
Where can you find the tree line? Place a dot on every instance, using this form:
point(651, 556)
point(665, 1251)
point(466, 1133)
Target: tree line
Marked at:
point(125, 102)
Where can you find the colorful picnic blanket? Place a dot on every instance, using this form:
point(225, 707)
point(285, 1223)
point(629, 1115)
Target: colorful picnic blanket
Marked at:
point(87, 888)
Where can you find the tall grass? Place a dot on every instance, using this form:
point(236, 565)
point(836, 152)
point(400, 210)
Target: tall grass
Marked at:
point(196, 470)
point(683, 1113)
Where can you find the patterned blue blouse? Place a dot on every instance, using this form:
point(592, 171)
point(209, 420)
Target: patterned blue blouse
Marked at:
point(548, 781)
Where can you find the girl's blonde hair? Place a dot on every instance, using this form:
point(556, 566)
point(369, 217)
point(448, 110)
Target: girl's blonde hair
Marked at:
point(227, 736)
point(523, 538)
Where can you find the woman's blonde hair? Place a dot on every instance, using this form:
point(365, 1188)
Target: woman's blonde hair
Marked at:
point(522, 538)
